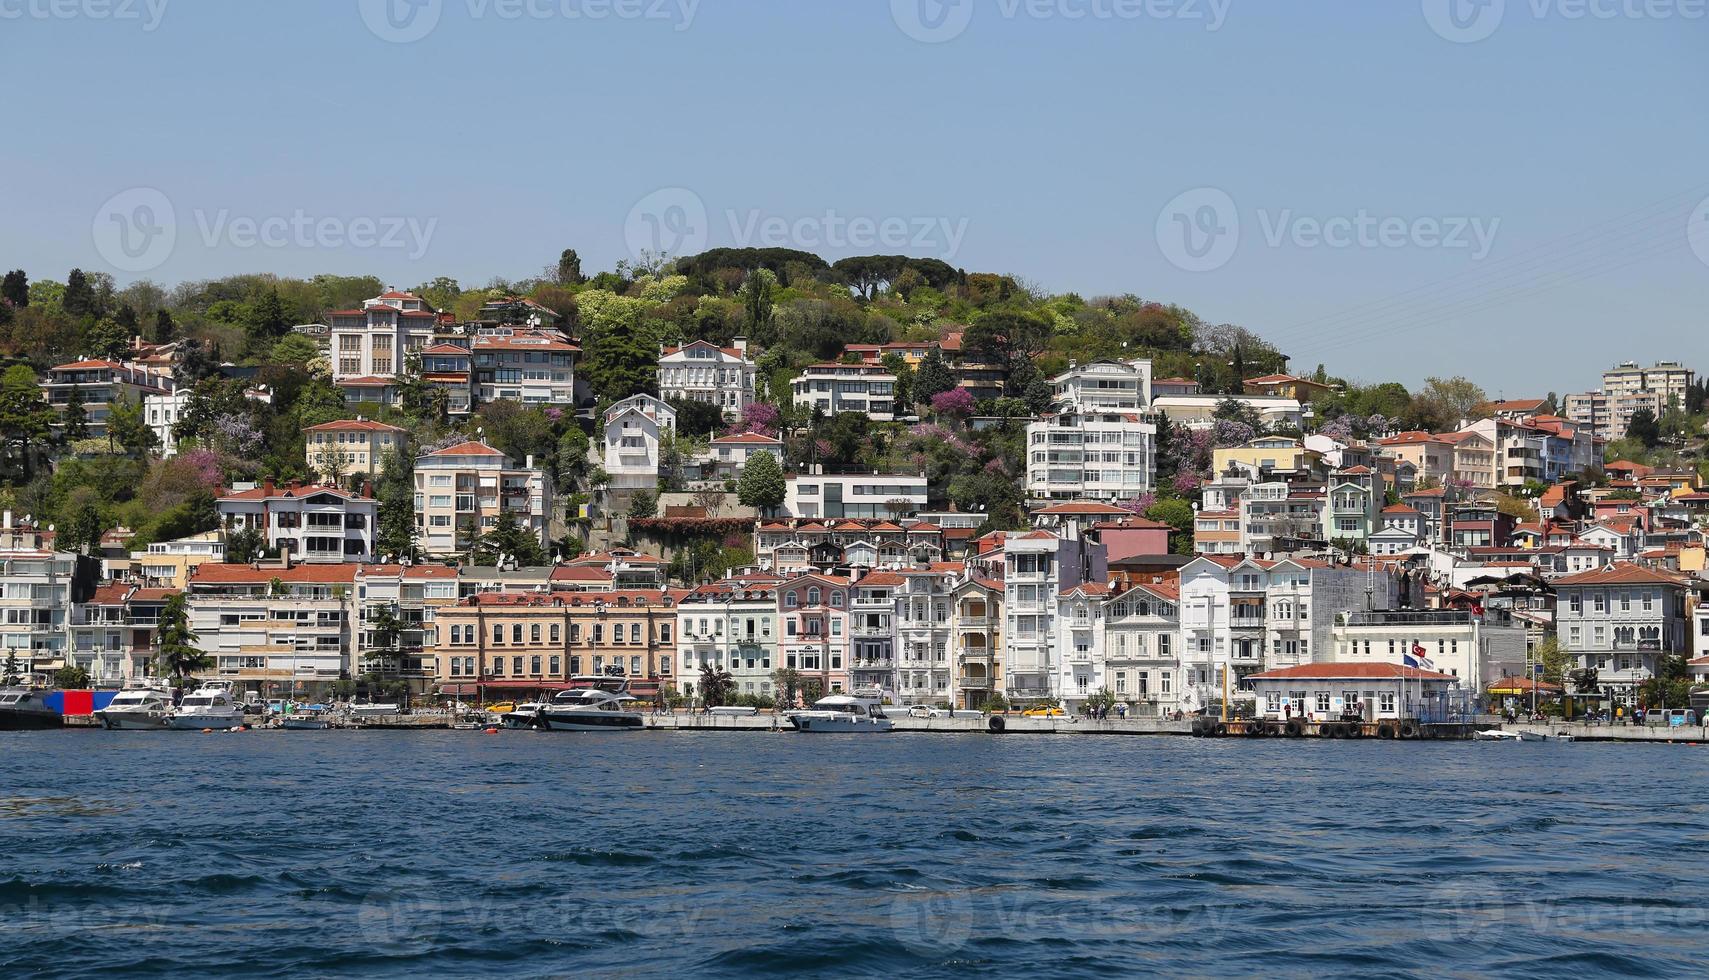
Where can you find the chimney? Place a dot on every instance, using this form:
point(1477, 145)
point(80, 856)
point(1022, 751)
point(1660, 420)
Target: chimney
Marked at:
point(742, 345)
point(267, 487)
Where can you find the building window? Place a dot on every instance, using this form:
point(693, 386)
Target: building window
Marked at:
point(498, 633)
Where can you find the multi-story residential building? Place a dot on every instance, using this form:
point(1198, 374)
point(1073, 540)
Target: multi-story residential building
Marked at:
point(633, 430)
point(727, 456)
point(1589, 410)
point(803, 544)
point(1402, 530)
point(1430, 504)
point(1432, 455)
point(872, 634)
point(1268, 457)
point(813, 611)
point(980, 373)
point(704, 372)
point(535, 367)
point(1479, 649)
point(1039, 566)
point(1217, 532)
point(1103, 387)
point(1279, 517)
point(1305, 597)
point(1080, 454)
point(99, 385)
point(527, 642)
point(274, 629)
point(1621, 621)
point(311, 523)
point(1082, 662)
point(371, 344)
point(1142, 637)
point(167, 564)
point(162, 411)
point(1668, 379)
point(977, 627)
point(860, 495)
point(1474, 459)
point(837, 388)
point(1301, 390)
point(115, 635)
point(1199, 411)
point(411, 595)
point(1223, 612)
point(1481, 524)
point(925, 632)
point(518, 311)
point(350, 452)
point(730, 625)
point(450, 368)
point(38, 586)
point(461, 490)
point(1353, 505)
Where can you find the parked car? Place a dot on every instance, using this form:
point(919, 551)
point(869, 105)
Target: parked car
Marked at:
point(1044, 713)
point(926, 711)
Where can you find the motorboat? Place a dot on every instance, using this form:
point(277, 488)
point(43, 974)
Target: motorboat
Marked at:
point(22, 709)
point(589, 709)
point(519, 715)
point(842, 713)
point(213, 705)
point(145, 707)
point(361, 711)
point(1497, 735)
point(305, 718)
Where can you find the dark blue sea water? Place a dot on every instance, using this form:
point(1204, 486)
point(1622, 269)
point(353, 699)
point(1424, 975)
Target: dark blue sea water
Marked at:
point(303, 854)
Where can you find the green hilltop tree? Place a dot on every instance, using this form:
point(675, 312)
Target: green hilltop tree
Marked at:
point(76, 418)
point(762, 485)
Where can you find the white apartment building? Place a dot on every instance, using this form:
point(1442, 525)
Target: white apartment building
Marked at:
point(412, 594)
point(535, 367)
point(1142, 648)
point(704, 372)
point(730, 624)
point(1279, 517)
point(925, 631)
point(632, 433)
point(312, 523)
point(1082, 661)
point(728, 455)
point(461, 490)
point(1103, 387)
point(837, 388)
point(274, 630)
point(872, 633)
point(859, 495)
point(372, 343)
point(37, 588)
point(1477, 650)
point(1199, 411)
point(161, 411)
point(1091, 455)
point(114, 635)
point(1038, 567)
point(99, 385)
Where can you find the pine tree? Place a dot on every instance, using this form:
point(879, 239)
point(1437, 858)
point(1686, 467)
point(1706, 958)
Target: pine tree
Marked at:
point(15, 289)
point(79, 299)
point(179, 656)
point(932, 377)
point(165, 331)
point(76, 418)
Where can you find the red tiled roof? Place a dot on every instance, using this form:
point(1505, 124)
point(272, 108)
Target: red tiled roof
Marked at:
point(884, 579)
point(748, 438)
point(358, 425)
point(283, 492)
point(444, 349)
point(219, 573)
point(1086, 507)
point(470, 448)
point(1622, 574)
point(1351, 671)
point(1399, 509)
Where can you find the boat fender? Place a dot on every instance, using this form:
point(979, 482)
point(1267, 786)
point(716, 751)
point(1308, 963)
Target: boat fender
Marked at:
point(995, 725)
point(207, 731)
point(1355, 730)
point(1220, 729)
point(1386, 730)
point(1409, 729)
point(490, 731)
point(1296, 728)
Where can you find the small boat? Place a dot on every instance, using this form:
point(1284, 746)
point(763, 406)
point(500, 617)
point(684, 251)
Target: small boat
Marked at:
point(213, 705)
point(361, 711)
point(143, 707)
point(306, 719)
point(1497, 735)
point(518, 715)
point(841, 713)
point(22, 709)
point(589, 709)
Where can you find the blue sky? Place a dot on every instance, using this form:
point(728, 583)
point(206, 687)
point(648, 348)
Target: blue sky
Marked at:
point(1525, 196)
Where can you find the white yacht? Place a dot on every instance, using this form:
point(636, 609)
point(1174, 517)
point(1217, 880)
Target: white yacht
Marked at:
point(144, 707)
point(841, 713)
point(370, 710)
point(522, 716)
point(590, 709)
point(1498, 735)
point(213, 705)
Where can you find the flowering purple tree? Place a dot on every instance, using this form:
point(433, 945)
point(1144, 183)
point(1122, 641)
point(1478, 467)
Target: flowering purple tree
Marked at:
point(955, 403)
point(1140, 504)
point(759, 418)
point(1227, 433)
point(204, 465)
point(237, 434)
